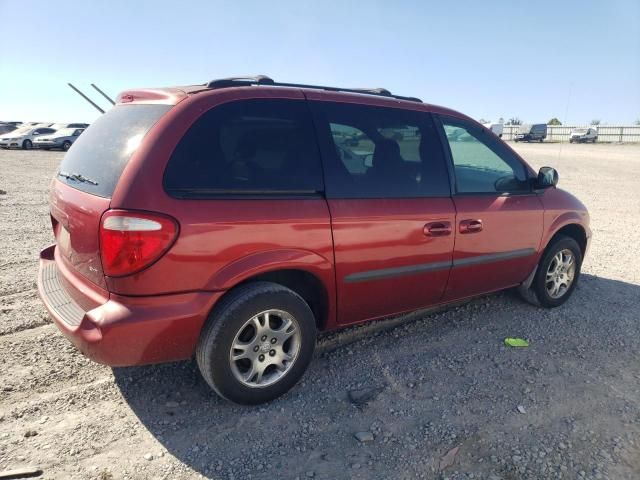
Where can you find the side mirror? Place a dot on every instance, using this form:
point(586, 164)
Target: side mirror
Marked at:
point(547, 177)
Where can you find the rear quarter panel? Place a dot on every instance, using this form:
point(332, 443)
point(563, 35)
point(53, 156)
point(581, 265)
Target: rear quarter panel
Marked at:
point(221, 242)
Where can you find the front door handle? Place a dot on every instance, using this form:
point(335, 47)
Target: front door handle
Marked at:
point(437, 229)
point(471, 226)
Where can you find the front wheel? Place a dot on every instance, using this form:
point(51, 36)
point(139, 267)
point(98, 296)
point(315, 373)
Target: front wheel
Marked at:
point(257, 343)
point(27, 145)
point(558, 272)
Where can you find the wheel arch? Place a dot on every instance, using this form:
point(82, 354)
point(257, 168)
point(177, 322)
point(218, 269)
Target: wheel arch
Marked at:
point(308, 274)
point(571, 230)
point(305, 284)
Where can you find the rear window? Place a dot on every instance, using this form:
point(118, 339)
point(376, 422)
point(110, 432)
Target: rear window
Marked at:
point(98, 157)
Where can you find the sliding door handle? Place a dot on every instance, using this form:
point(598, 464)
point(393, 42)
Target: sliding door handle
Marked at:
point(471, 226)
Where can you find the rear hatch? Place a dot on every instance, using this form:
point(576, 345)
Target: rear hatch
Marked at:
point(83, 185)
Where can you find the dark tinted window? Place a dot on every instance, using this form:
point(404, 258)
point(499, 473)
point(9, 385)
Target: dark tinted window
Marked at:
point(250, 147)
point(481, 163)
point(100, 154)
point(376, 152)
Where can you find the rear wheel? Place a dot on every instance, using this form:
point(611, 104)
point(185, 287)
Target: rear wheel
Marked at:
point(257, 343)
point(557, 274)
point(27, 145)
point(541, 140)
point(66, 145)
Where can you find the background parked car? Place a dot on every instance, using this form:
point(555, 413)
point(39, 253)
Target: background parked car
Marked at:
point(36, 124)
point(24, 137)
point(583, 135)
point(62, 139)
point(495, 128)
point(531, 133)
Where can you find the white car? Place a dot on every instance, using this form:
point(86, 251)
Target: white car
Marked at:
point(23, 137)
point(62, 139)
point(583, 135)
point(496, 128)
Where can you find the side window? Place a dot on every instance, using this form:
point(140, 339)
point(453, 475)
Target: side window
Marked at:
point(481, 165)
point(249, 147)
point(376, 152)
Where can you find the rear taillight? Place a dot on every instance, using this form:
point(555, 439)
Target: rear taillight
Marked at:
point(131, 241)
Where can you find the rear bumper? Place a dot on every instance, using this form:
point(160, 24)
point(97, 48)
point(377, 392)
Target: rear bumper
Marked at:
point(124, 330)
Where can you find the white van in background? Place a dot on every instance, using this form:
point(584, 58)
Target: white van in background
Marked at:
point(496, 128)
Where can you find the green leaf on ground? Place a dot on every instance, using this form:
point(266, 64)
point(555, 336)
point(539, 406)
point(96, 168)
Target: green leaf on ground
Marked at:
point(515, 342)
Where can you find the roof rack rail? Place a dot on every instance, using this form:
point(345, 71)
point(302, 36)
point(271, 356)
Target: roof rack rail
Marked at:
point(237, 81)
point(264, 80)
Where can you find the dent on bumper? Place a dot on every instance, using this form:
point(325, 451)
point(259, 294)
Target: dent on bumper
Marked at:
point(130, 330)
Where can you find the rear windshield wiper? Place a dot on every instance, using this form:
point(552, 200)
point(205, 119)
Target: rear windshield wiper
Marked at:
point(77, 177)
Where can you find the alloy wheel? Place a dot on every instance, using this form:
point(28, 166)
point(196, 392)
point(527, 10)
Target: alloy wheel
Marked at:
point(265, 348)
point(560, 273)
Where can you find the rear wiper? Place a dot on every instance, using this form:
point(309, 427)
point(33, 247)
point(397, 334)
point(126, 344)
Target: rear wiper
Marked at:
point(77, 177)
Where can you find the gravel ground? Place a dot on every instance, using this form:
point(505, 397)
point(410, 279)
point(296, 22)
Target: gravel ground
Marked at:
point(435, 397)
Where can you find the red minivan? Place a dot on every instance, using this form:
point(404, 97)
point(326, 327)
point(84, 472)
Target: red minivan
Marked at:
point(236, 219)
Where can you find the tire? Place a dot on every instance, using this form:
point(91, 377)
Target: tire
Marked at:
point(595, 139)
point(539, 285)
point(541, 140)
point(66, 145)
point(27, 145)
point(234, 317)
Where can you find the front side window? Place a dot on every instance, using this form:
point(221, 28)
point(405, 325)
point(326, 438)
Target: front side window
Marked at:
point(376, 152)
point(249, 147)
point(481, 165)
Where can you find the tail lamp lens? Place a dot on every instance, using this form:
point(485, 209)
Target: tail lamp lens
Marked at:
point(131, 241)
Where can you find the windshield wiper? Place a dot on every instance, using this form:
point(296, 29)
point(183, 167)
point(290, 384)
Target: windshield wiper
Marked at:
point(77, 177)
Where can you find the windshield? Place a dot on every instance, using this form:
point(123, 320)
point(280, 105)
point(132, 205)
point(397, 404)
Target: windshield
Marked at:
point(21, 130)
point(580, 130)
point(99, 155)
point(524, 128)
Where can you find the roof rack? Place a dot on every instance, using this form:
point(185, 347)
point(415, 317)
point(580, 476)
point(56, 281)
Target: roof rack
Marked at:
point(264, 80)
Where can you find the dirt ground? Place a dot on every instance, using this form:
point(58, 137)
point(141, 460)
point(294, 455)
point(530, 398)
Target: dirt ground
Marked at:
point(566, 407)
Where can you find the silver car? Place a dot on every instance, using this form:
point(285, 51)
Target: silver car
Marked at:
point(62, 139)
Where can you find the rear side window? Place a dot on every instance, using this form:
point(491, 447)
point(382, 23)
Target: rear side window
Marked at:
point(98, 157)
point(377, 152)
point(249, 148)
